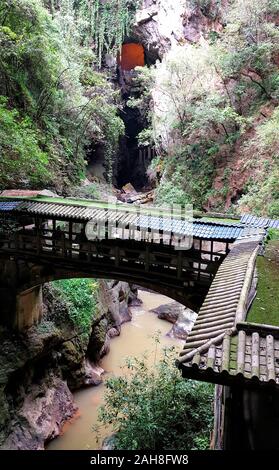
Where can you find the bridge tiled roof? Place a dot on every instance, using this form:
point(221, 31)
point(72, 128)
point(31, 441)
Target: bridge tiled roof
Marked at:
point(8, 206)
point(197, 228)
point(222, 347)
point(249, 219)
point(248, 353)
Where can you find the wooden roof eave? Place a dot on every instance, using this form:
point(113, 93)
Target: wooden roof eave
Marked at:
point(223, 377)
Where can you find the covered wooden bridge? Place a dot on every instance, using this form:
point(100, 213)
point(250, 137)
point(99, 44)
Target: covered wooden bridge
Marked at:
point(42, 239)
point(207, 266)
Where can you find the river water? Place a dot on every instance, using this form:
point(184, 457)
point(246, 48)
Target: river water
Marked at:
point(136, 338)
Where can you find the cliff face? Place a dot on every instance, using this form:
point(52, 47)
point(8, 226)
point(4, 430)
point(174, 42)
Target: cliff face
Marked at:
point(43, 365)
point(164, 24)
point(214, 100)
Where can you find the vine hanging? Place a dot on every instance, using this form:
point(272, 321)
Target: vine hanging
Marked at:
point(108, 22)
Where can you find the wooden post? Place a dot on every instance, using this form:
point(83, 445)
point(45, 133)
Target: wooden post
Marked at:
point(179, 264)
point(64, 244)
point(116, 255)
point(106, 225)
point(146, 267)
point(70, 238)
point(199, 263)
point(38, 238)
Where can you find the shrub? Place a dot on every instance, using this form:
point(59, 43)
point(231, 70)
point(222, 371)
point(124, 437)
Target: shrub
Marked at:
point(157, 409)
point(80, 295)
point(21, 159)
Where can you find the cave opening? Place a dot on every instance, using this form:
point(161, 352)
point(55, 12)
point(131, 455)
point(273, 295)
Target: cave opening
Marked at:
point(129, 165)
point(130, 168)
point(132, 55)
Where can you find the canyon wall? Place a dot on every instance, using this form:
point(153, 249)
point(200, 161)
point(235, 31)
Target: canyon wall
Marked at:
point(42, 365)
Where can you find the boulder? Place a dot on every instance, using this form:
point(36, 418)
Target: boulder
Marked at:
point(93, 373)
point(182, 318)
point(183, 324)
point(169, 312)
point(45, 409)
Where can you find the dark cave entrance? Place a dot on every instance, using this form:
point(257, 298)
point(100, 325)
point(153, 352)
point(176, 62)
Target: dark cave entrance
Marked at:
point(131, 163)
point(130, 166)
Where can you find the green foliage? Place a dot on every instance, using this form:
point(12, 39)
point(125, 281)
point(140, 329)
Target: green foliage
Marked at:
point(262, 196)
point(262, 191)
point(157, 409)
point(269, 130)
point(273, 234)
point(105, 23)
point(197, 162)
point(81, 297)
point(21, 158)
point(88, 192)
point(46, 72)
point(143, 83)
point(206, 97)
point(170, 193)
point(251, 39)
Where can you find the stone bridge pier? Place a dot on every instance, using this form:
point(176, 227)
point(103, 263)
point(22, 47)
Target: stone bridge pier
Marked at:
point(20, 307)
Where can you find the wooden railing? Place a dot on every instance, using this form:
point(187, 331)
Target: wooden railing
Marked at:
point(191, 265)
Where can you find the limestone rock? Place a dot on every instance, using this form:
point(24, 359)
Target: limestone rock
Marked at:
point(183, 324)
point(182, 318)
point(164, 24)
point(93, 373)
point(45, 409)
point(169, 312)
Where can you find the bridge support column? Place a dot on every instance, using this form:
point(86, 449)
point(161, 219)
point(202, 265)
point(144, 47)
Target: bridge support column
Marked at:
point(21, 310)
point(29, 308)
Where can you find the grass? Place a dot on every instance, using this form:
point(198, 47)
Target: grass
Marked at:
point(144, 210)
point(265, 308)
point(132, 208)
point(220, 220)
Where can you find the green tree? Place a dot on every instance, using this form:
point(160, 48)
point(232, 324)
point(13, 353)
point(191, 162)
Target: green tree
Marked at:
point(207, 98)
point(21, 156)
point(47, 75)
point(157, 409)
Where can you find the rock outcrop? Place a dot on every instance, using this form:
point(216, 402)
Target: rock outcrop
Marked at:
point(182, 318)
point(163, 24)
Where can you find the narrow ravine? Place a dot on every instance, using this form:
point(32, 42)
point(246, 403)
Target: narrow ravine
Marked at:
point(135, 339)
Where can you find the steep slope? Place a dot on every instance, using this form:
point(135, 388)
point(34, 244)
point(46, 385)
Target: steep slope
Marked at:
point(213, 99)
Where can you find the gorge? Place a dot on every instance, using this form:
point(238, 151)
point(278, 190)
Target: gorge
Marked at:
point(152, 103)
